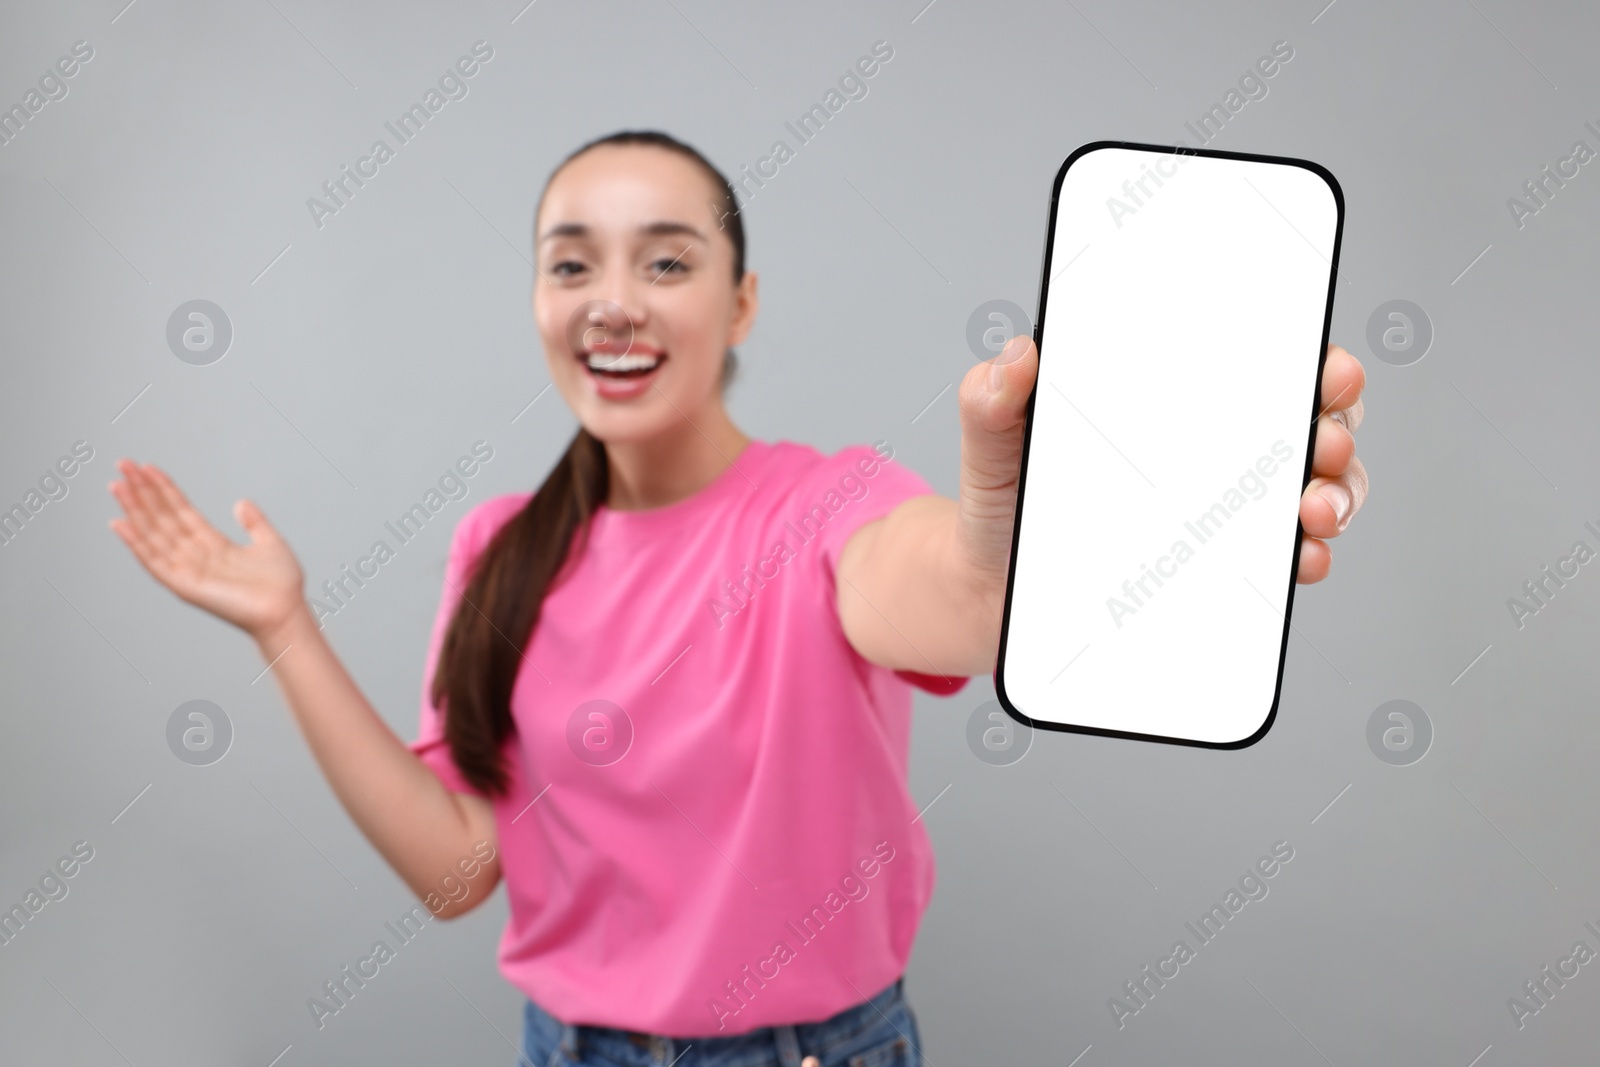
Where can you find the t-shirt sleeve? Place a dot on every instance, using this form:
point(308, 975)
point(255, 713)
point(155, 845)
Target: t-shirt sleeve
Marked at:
point(469, 538)
point(858, 485)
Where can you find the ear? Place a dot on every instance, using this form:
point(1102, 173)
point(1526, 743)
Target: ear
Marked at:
point(746, 304)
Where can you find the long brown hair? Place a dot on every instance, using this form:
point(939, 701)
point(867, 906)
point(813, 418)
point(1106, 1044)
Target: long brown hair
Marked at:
point(493, 623)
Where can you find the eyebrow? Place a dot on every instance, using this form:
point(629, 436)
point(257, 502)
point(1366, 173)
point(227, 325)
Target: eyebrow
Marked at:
point(665, 227)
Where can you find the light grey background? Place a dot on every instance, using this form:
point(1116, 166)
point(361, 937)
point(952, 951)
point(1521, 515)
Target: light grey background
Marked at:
point(368, 355)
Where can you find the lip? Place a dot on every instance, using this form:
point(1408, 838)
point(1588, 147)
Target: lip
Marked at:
point(607, 388)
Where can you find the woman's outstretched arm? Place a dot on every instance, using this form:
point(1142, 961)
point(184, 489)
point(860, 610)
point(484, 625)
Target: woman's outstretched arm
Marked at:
point(423, 829)
point(923, 588)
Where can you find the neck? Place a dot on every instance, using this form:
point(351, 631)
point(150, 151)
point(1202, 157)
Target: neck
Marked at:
point(673, 465)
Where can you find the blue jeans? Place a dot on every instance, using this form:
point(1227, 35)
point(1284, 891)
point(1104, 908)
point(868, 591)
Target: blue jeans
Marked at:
point(880, 1032)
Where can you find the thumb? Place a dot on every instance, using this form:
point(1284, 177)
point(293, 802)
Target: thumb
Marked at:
point(254, 522)
point(994, 404)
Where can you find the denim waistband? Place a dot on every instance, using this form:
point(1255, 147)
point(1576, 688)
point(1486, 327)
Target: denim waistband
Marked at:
point(817, 1038)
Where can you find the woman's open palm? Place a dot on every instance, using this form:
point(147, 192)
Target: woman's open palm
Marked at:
point(254, 586)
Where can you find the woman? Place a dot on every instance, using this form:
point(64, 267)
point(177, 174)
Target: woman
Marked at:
point(668, 695)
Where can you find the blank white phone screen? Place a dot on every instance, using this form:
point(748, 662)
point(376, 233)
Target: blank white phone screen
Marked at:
point(1183, 317)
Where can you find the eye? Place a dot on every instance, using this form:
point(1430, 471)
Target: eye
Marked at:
point(668, 266)
point(566, 268)
point(672, 264)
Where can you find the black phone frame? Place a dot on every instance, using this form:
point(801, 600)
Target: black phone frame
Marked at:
point(1027, 438)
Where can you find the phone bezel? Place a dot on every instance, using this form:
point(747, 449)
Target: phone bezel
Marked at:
point(1027, 437)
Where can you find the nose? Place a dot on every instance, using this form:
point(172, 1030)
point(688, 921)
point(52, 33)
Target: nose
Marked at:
point(601, 325)
point(626, 296)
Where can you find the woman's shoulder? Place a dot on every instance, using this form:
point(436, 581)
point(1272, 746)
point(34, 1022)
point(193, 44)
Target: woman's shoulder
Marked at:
point(801, 462)
point(807, 472)
point(495, 510)
point(481, 521)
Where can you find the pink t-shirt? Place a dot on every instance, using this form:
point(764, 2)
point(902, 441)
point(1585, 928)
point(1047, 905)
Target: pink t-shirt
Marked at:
point(736, 847)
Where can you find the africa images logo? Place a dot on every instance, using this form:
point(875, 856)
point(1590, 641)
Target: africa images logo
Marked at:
point(339, 190)
point(804, 529)
point(1203, 527)
point(854, 885)
point(1252, 886)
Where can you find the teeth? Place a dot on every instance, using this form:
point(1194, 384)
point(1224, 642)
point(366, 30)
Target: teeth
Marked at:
point(611, 362)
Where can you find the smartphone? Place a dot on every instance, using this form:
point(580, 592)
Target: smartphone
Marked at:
point(1182, 326)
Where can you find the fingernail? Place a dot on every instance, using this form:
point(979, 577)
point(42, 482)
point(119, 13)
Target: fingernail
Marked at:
point(1009, 354)
point(1339, 497)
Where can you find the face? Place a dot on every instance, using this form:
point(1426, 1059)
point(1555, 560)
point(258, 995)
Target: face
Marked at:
point(634, 297)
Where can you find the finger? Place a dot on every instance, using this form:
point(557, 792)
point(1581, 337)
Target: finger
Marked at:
point(1343, 379)
point(1333, 449)
point(1316, 559)
point(148, 556)
point(161, 511)
point(1329, 504)
point(147, 504)
point(185, 518)
point(994, 402)
point(130, 536)
point(135, 504)
point(1350, 417)
point(249, 516)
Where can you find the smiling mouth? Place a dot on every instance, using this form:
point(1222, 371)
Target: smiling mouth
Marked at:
point(621, 366)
